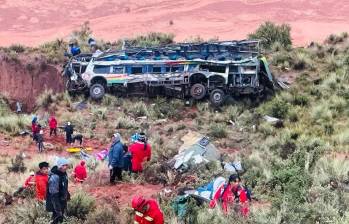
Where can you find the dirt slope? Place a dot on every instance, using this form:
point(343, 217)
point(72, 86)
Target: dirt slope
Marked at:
point(32, 22)
point(23, 79)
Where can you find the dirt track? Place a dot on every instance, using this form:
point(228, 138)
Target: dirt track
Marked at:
point(32, 22)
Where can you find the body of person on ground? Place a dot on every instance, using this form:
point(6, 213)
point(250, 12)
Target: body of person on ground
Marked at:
point(57, 192)
point(69, 130)
point(40, 141)
point(115, 163)
point(53, 125)
point(147, 211)
point(140, 152)
point(41, 181)
point(80, 172)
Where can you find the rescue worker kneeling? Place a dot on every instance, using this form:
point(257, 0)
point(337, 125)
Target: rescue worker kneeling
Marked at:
point(146, 211)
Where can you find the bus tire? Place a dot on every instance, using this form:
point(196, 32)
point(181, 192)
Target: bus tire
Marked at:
point(97, 91)
point(198, 91)
point(217, 97)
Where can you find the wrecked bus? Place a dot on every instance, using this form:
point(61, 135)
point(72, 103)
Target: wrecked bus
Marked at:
point(197, 71)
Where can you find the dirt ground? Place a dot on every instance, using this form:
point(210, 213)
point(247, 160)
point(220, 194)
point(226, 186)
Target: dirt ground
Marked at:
point(33, 22)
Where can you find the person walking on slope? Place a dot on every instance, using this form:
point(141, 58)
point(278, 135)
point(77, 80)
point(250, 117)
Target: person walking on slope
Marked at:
point(80, 173)
point(40, 140)
point(69, 130)
point(53, 125)
point(116, 153)
point(57, 191)
point(147, 211)
point(41, 181)
point(140, 151)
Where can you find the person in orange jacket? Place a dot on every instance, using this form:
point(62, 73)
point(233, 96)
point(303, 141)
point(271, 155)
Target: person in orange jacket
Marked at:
point(140, 151)
point(230, 192)
point(80, 173)
point(41, 180)
point(147, 211)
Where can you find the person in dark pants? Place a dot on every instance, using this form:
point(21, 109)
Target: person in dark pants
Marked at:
point(78, 138)
point(69, 129)
point(40, 140)
point(57, 191)
point(116, 153)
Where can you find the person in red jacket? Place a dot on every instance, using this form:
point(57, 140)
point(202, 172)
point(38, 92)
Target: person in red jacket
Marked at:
point(30, 181)
point(140, 151)
point(53, 125)
point(35, 128)
point(80, 173)
point(147, 211)
point(41, 180)
point(230, 192)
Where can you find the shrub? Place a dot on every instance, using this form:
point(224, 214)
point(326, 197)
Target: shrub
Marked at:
point(218, 130)
point(271, 33)
point(30, 211)
point(102, 215)
point(124, 122)
point(17, 164)
point(277, 107)
point(17, 48)
point(151, 39)
point(138, 109)
point(80, 205)
point(301, 60)
point(13, 124)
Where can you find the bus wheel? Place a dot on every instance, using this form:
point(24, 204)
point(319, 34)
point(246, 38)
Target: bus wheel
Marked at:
point(97, 91)
point(198, 91)
point(217, 97)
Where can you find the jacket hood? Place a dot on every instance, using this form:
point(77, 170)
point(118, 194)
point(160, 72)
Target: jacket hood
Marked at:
point(56, 171)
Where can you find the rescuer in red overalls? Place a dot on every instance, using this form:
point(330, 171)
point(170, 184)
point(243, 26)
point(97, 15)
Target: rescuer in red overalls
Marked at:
point(147, 211)
point(230, 192)
point(140, 152)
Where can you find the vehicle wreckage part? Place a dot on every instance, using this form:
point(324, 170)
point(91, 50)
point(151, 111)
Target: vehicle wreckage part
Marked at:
point(198, 91)
point(217, 97)
point(97, 91)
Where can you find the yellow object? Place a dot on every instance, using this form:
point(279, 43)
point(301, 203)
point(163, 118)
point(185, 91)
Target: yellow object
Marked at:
point(78, 149)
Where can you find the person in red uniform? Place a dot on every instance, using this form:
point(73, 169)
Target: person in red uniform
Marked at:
point(41, 180)
point(140, 151)
point(230, 192)
point(53, 125)
point(30, 181)
point(147, 211)
point(80, 173)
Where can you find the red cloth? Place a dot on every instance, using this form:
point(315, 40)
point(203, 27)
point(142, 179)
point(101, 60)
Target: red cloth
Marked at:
point(53, 123)
point(152, 216)
point(29, 182)
point(41, 181)
point(227, 197)
point(139, 155)
point(35, 128)
point(80, 172)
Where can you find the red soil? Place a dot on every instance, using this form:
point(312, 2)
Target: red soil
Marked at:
point(124, 192)
point(33, 22)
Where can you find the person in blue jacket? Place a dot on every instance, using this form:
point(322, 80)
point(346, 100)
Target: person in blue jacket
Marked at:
point(115, 163)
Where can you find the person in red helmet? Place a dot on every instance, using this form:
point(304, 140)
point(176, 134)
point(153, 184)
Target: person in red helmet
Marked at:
point(147, 211)
point(53, 125)
point(80, 173)
point(140, 151)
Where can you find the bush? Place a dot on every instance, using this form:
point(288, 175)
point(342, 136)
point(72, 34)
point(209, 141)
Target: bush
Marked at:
point(138, 109)
point(277, 107)
point(271, 33)
point(30, 211)
point(13, 124)
point(124, 122)
point(151, 39)
point(218, 130)
point(102, 215)
point(17, 164)
point(17, 48)
point(80, 205)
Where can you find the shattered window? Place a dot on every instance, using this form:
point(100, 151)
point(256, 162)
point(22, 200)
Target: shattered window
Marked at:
point(118, 69)
point(213, 68)
point(101, 69)
point(136, 70)
point(177, 68)
point(156, 69)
